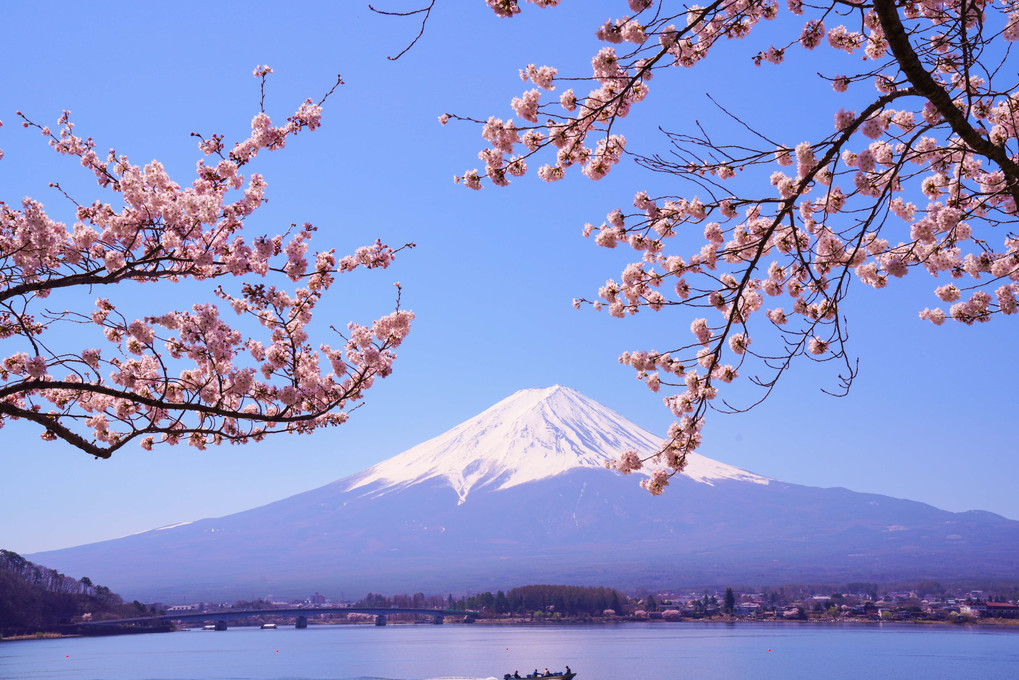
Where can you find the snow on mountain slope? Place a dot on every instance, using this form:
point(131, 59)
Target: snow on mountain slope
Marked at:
point(531, 435)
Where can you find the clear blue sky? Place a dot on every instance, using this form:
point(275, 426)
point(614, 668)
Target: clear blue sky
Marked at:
point(930, 417)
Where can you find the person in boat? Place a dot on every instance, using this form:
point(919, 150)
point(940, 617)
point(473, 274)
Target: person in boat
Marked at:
point(547, 672)
point(516, 674)
point(567, 670)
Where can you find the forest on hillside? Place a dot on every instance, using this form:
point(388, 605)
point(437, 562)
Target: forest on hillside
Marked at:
point(35, 599)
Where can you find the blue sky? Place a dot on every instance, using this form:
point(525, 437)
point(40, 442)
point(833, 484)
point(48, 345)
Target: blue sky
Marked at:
point(494, 272)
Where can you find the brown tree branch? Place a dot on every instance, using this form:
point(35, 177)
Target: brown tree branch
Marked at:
point(53, 425)
point(924, 84)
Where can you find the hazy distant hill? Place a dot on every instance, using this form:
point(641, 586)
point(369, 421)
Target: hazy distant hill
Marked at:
point(519, 494)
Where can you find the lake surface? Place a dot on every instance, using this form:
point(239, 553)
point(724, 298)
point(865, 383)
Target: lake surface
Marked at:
point(712, 651)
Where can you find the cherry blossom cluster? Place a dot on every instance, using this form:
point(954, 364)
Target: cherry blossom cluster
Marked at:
point(189, 375)
point(579, 127)
point(507, 8)
point(919, 171)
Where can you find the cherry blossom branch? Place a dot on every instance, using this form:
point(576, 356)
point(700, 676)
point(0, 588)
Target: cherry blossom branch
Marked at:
point(910, 64)
point(822, 225)
point(181, 375)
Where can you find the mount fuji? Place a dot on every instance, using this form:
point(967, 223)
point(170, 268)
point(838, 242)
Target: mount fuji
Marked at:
point(520, 494)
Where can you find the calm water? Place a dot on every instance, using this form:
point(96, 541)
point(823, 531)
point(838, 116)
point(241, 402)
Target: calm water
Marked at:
point(631, 651)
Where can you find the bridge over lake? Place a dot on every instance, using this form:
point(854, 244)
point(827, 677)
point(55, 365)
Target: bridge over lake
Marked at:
point(299, 614)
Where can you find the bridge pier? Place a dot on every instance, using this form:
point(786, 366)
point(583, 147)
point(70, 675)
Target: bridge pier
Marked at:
point(380, 620)
point(301, 622)
point(221, 625)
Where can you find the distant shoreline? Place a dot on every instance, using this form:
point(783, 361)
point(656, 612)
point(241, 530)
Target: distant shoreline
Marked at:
point(34, 636)
point(988, 623)
point(623, 621)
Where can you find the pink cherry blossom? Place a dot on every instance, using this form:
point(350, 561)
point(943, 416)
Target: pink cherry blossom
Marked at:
point(934, 124)
point(186, 375)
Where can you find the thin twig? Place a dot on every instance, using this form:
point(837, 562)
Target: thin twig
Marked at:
point(424, 10)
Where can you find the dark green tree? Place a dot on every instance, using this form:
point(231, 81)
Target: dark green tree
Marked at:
point(501, 604)
point(729, 603)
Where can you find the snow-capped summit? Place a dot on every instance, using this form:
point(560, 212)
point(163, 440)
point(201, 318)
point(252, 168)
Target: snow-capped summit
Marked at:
point(531, 435)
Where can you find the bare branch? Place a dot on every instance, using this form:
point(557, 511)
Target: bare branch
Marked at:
point(424, 11)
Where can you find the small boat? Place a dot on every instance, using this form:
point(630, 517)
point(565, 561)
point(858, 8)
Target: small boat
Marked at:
point(268, 626)
point(561, 675)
